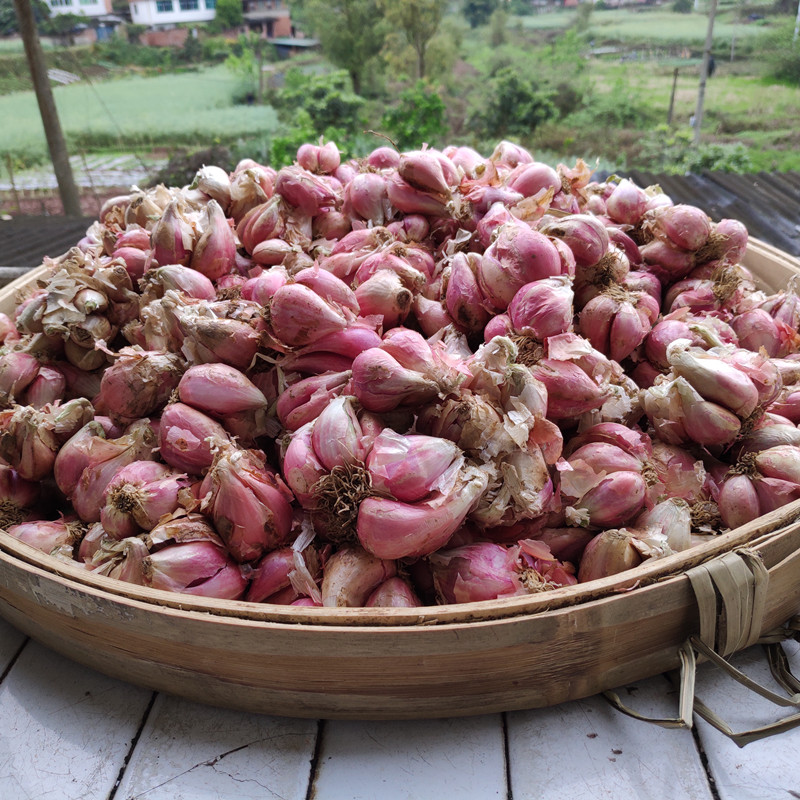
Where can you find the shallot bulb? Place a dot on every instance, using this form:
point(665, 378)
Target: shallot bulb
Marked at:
point(56, 538)
point(391, 529)
point(714, 377)
point(188, 438)
point(759, 483)
point(103, 458)
point(609, 553)
point(248, 501)
point(17, 372)
point(215, 251)
point(599, 498)
point(616, 322)
point(482, 571)
point(138, 496)
point(517, 256)
point(351, 575)
point(187, 556)
point(17, 496)
point(138, 383)
point(627, 203)
point(394, 592)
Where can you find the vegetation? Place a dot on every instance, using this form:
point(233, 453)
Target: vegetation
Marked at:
point(135, 113)
point(419, 117)
point(229, 15)
point(594, 82)
point(351, 32)
point(419, 20)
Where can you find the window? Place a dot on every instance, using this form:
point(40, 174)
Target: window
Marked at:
point(211, 4)
point(189, 5)
point(163, 6)
point(88, 2)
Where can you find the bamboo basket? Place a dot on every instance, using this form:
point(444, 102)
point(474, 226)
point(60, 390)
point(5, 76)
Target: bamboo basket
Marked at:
point(456, 660)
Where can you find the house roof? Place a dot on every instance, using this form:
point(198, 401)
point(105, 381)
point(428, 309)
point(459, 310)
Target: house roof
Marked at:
point(289, 41)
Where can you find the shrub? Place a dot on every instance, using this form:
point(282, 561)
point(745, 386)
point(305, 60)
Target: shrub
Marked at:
point(783, 54)
point(663, 150)
point(327, 99)
point(513, 105)
point(418, 117)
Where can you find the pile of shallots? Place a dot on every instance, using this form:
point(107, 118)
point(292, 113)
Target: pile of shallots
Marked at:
point(416, 378)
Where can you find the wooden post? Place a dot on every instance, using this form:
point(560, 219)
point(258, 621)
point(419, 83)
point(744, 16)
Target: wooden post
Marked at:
point(698, 114)
point(70, 199)
point(672, 96)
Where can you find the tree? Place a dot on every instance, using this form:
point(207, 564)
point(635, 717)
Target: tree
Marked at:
point(244, 64)
point(514, 106)
point(8, 17)
point(478, 12)
point(419, 20)
point(229, 14)
point(418, 117)
point(499, 22)
point(350, 32)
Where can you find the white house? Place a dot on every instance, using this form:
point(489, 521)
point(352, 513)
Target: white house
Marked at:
point(157, 13)
point(87, 8)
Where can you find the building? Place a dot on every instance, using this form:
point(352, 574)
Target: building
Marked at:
point(270, 18)
point(87, 8)
point(162, 13)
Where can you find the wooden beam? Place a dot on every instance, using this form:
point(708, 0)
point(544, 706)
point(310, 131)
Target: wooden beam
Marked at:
point(70, 198)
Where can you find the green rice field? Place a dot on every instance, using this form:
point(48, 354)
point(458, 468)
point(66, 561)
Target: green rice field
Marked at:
point(136, 112)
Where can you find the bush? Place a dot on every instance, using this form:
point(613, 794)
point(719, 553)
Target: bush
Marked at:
point(782, 54)
point(418, 117)
point(619, 108)
point(682, 6)
point(663, 150)
point(513, 105)
point(327, 99)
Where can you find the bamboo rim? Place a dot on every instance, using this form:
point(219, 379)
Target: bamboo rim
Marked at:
point(762, 529)
point(759, 531)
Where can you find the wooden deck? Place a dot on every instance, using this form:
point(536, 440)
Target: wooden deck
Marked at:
point(69, 733)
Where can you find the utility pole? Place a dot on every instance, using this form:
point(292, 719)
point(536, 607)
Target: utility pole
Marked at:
point(67, 189)
point(698, 114)
point(796, 24)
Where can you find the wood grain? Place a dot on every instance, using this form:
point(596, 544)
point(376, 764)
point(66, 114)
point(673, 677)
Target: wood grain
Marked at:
point(587, 750)
point(67, 739)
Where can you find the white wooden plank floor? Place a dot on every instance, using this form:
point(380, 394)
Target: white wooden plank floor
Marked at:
point(68, 732)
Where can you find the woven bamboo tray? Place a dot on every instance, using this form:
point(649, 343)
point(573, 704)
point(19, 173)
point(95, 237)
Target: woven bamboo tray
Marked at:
point(457, 660)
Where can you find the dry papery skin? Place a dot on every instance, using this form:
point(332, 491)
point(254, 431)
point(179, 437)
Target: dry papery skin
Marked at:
point(412, 378)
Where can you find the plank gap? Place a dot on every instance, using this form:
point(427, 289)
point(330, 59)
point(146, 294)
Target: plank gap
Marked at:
point(313, 772)
point(14, 659)
point(134, 742)
point(507, 757)
point(698, 743)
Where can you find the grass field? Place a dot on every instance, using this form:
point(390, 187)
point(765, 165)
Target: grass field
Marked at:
point(658, 25)
point(132, 112)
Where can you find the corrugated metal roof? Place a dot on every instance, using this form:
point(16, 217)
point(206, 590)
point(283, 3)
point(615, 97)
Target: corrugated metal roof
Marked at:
point(25, 241)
